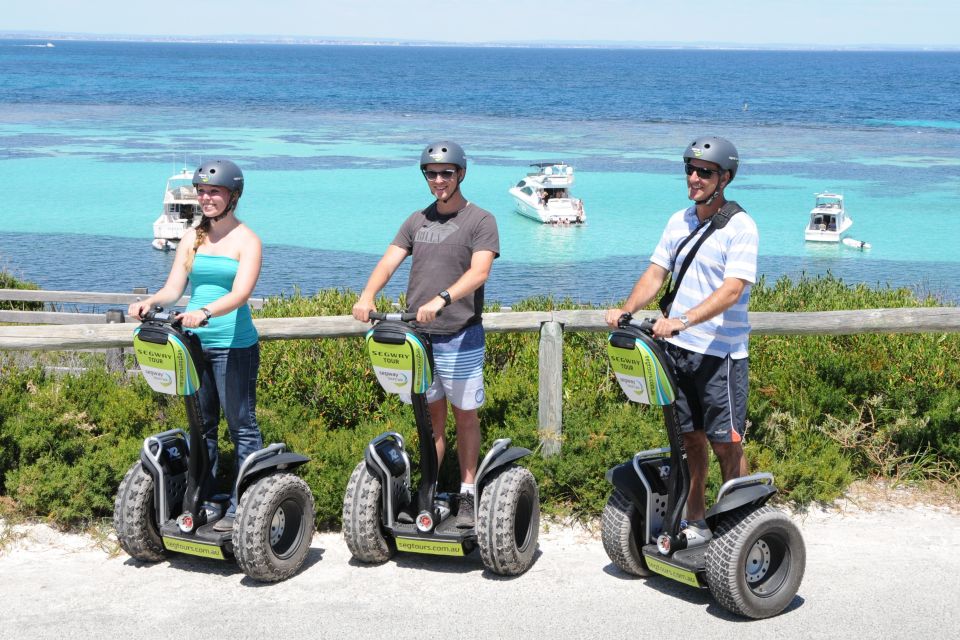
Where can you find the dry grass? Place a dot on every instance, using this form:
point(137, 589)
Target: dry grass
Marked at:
point(869, 495)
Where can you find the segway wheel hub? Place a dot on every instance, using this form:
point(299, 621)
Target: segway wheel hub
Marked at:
point(425, 522)
point(185, 522)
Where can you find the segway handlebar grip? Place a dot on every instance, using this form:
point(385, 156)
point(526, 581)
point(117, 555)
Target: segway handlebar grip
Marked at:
point(406, 316)
point(645, 325)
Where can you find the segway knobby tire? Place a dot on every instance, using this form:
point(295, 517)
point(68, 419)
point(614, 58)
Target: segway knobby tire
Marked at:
point(134, 516)
point(363, 519)
point(273, 527)
point(621, 529)
point(755, 561)
point(508, 521)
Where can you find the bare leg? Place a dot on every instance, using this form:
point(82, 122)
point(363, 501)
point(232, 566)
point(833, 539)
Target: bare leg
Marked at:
point(468, 442)
point(438, 418)
point(733, 464)
point(696, 445)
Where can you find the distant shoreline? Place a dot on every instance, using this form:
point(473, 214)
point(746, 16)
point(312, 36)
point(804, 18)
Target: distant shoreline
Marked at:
point(386, 42)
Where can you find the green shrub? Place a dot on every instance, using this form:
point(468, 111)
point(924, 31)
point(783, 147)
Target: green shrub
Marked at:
point(823, 411)
point(7, 281)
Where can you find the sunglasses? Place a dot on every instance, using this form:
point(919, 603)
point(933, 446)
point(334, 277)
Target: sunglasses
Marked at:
point(446, 174)
point(703, 174)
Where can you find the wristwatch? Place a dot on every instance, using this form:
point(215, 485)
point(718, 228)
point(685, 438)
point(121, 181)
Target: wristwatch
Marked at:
point(446, 297)
point(685, 320)
point(206, 312)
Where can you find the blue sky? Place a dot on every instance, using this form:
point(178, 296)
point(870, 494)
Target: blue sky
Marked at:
point(760, 22)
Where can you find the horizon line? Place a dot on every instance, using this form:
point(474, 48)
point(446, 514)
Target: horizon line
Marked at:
point(412, 42)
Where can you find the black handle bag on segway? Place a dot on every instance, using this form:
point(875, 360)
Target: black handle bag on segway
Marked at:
point(755, 561)
point(274, 522)
point(381, 512)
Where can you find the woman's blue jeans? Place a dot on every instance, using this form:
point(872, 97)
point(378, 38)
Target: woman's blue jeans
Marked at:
point(229, 383)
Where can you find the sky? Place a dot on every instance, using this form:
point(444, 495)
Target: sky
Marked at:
point(751, 22)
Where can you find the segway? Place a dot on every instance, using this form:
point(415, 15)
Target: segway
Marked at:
point(383, 513)
point(755, 561)
point(161, 506)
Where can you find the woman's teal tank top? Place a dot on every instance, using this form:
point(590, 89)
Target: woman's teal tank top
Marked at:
point(210, 279)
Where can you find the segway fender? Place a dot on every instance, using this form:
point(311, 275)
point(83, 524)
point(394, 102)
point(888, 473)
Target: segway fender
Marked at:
point(757, 494)
point(165, 457)
point(285, 461)
point(506, 457)
point(624, 477)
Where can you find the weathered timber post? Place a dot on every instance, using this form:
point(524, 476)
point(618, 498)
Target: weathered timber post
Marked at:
point(114, 360)
point(551, 387)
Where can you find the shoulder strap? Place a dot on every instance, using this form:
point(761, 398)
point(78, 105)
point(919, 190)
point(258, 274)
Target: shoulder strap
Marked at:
point(720, 219)
point(717, 221)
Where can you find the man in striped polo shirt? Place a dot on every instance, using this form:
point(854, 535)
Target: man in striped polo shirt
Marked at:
point(706, 326)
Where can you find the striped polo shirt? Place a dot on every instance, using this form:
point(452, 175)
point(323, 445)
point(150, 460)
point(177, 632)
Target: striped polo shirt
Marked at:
point(730, 252)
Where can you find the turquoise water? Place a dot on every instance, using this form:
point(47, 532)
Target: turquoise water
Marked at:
point(357, 204)
point(331, 164)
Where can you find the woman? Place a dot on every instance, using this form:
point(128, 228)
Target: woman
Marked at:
point(221, 260)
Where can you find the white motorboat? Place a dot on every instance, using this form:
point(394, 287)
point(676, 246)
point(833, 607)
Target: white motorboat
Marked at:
point(828, 219)
point(544, 195)
point(181, 211)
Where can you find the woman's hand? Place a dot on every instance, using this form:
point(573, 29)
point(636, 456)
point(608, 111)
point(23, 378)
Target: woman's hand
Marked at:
point(138, 308)
point(192, 319)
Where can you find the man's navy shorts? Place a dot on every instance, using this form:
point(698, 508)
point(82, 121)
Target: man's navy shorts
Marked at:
point(712, 394)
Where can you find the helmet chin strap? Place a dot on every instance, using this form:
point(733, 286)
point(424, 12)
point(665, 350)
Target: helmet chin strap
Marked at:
point(226, 212)
point(450, 197)
point(718, 191)
point(455, 192)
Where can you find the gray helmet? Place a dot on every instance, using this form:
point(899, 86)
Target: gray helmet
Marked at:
point(719, 151)
point(220, 173)
point(444, 152)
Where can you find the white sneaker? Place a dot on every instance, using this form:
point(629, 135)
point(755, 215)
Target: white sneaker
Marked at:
point(697, 533)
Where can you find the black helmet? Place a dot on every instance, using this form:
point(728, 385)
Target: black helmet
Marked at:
point(220, 173)
point(444, 153)
point(719, 151)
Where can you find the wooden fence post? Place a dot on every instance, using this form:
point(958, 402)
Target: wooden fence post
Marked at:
point(114, 360)
point(551, 387)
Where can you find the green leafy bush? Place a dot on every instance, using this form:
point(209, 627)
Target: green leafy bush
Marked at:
point(823, 411)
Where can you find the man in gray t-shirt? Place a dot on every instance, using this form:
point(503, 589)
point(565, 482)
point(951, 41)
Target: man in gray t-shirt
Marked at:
point(453, 244)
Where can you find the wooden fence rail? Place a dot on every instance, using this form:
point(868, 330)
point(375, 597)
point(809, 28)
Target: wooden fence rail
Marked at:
point(551, 326)
point(53, 298)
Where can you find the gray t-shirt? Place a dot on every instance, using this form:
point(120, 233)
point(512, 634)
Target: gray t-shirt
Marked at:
point(442, 247)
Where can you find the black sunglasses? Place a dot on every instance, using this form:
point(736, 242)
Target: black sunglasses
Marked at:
point(702, 173)
point(446, 174)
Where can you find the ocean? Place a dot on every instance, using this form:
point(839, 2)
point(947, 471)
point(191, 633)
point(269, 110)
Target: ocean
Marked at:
point(329, 139)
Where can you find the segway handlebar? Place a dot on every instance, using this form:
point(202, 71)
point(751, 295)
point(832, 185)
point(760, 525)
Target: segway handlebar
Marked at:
point(406, 316)
point(645, 325)
point(159, 314)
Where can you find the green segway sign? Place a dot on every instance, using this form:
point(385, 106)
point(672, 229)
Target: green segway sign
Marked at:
point(400, 368)
point(641, 374)
point(167, 368)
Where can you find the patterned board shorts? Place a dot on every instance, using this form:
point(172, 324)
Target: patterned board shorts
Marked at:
point(457, 369)
point(712, 394)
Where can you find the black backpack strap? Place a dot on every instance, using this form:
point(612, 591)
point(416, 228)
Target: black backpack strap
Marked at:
point(717, 221)
point(727, 211)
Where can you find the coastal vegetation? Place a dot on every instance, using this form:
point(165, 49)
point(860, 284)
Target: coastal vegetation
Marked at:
point(823, 411)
